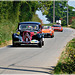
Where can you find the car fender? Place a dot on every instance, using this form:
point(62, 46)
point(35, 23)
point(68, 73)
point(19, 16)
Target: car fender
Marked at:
point(15, 36)
point(40, 35)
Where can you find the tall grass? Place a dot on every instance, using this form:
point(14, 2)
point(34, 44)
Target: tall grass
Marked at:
point(6, 30)
point(66, 63)
point(73, 23)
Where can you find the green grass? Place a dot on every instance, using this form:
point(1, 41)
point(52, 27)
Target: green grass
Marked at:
point(73, 27)
point(6, 30)
point(73, 24)
point(66, 63)
point(64, 26)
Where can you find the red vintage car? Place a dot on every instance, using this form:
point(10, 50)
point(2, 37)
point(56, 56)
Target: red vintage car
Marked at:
point(57, 28)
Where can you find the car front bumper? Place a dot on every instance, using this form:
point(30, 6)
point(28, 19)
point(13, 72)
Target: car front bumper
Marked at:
point(57, 29)
point(27, 42)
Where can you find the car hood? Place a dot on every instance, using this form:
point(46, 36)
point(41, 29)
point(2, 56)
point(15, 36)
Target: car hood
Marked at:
point(46, 30)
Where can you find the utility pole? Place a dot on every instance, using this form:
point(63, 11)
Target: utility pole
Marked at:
point(67, 12)
point(53, 11)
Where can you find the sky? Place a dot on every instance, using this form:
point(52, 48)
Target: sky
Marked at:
point(44, 19)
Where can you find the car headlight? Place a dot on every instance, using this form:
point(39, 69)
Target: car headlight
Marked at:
point(18, 33)
point(60, 28)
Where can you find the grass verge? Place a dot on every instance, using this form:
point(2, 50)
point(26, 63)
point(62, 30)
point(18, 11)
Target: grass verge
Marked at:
point(66, 63)
point(6, 30)
point(73, 24)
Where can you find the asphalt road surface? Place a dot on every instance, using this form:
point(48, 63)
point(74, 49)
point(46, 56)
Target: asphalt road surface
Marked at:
point(32, 59)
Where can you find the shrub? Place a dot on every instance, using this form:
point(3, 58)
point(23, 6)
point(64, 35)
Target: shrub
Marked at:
point(73, 23)
point(66, 63)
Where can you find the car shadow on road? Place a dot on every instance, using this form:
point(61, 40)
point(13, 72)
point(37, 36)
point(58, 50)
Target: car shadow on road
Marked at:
point(47, 36)
point(29, 69)
point(23, 46)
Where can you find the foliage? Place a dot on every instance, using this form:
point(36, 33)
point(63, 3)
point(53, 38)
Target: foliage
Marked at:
point(35, 18)
point(49, 24)
point(45, 6)
point(73, 23)
point(12, 12)
point(60, 12)
point(66, 63)
point(6, 29)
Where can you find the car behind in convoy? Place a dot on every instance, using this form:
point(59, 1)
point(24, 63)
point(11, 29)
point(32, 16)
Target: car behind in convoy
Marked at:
point(28, 33)
point(57, 28)
point(48, 31)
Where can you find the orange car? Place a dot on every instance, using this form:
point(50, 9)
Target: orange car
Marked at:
point(57, 28)
point(48, 31)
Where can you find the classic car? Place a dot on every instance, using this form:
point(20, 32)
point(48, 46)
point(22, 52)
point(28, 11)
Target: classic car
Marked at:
point(48, 31)
point(57, 28)
point(28, 33)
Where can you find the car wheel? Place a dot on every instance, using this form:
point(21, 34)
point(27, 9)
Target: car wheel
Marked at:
point(40, 44)
point(42, 41)
point(62, 31)
point(15, 44)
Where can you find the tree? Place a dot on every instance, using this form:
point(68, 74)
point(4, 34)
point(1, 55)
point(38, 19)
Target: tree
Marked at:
point(12, 12)
point(60, 12)
point(44, 6)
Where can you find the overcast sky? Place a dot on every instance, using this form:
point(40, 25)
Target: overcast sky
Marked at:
point(42, 17)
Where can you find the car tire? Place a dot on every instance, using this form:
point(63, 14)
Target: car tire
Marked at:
point(40, 44)
point(15, 44)
point(62, 31)
point(42, 41)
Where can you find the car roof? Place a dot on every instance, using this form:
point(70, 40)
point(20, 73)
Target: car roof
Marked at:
point(29, 23)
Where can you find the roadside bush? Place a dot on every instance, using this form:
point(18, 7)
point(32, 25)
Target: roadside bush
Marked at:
point(64, 23)
point(73, 23)
point(66, 63)
point(6, 30)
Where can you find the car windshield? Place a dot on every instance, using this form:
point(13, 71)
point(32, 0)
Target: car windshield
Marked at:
point(30, 27)
point(56, 26)
point(45, 27)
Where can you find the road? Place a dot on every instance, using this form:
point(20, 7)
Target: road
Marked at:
point(32, 59)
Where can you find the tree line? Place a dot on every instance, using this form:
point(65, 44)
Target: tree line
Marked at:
point(60, 12)
point(21, 10)
point(12, 12)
